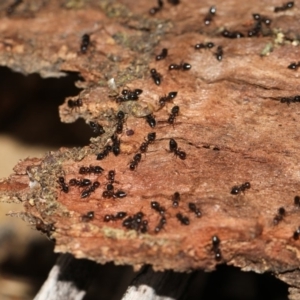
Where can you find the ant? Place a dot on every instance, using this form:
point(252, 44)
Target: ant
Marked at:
point(81, 183)
point(85, 42)
point(176, 199)
point(121, 120)
point(87, 192)
point(156, 9)
point(162, 55)
point(280, 215)
point(64, 187)
point(284, 7)
point(150, 139)
point(91, 169)
point(161, 224)
point(150, 120)
point(119, 194)
point(111, 176)
point(193, 208)
point(44, 228)
point(116, 145)
point(240, 188)
point(181, 66)
point(89, 216)
point(157, 77)
point(211, 13)
point(135, 222)
point(208, 45)
point(156, 206)
point(163, 100)
point(232, 34)
point(135, 161)
point(296, 234)
point(119, 216)
point(289, 100)
point(174, 2)
point(97, 128)
point(128, 95)
point(257, 27)
point(183, 219)
point(174, 113)
point(104, 153)
point(219, 53)
point(297, 201)
point(294, 65)
point(74, 103)
point(215, 247)
point(11, 8)
point(177, 151)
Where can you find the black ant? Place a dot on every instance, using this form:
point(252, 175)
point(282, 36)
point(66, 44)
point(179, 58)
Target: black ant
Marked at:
point(219, 53)
point(156, 206)
point(44, 228)
point(193, 208)
point(174, 2)
point(135, 222)
point(135, 161)
point(128, 95)
point(87, 192)
point(257, 27)
point(150, 120)
point(284, 7)
point(64, 187)
point(75, 103)
point(294, 65)
point(85, 42)
point(91, 169)
point(156, 76)
point(181, 66)
point(215, 247)
point(211, 13)
point(161, 224)
point(177, 151)
point(119, 216)
point(156, 9)
point(104, 153)
point(89, 216)
point(116, 145)
point(11, 8)
point(81, 182)
point(208, 45)
point(162, 55)
point(176, 199)
point(232, 34)
point(119, 194)
point(297, 201)
point(163, 100)
point(289, 100)
point(296, 234)
point(240, 188)
point(121, 120)
point(150, 139)
point(97, 128)
point(174, 113)
point(111, 176)
point(280, 215)
point(183, 219)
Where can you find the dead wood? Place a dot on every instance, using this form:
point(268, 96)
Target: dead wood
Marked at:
point(232, 126)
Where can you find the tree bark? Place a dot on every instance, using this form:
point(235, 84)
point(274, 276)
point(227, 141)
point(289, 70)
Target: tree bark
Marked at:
point(237, 123)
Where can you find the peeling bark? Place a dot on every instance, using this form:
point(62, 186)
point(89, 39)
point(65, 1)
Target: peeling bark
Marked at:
point(231, 124)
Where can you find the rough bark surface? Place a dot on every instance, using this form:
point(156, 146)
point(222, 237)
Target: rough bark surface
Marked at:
point(231, 125)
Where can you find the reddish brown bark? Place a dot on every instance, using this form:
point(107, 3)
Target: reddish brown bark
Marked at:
point(231, 125)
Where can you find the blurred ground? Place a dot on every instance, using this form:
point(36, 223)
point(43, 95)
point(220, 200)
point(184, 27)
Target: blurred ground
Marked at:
point(30, 126)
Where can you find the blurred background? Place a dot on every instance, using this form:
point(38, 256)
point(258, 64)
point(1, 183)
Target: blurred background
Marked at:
point(29, 127)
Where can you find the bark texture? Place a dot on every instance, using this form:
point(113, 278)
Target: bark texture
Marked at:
point(231, 124)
